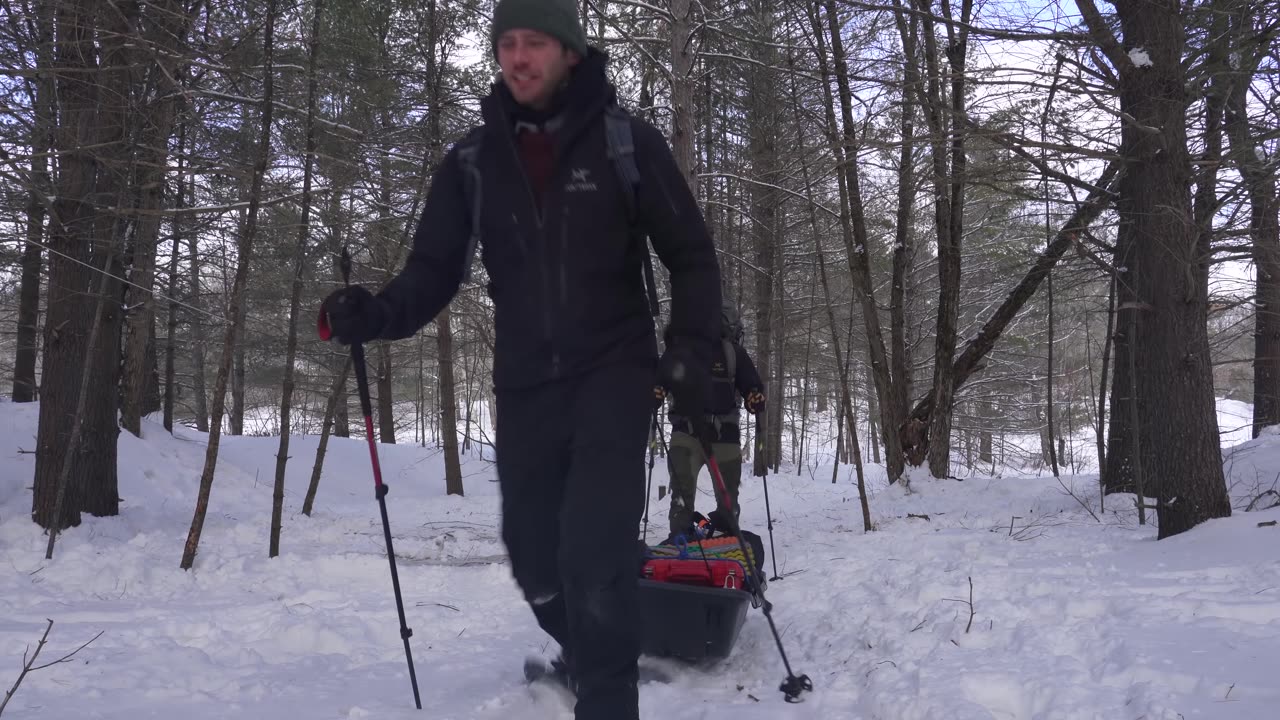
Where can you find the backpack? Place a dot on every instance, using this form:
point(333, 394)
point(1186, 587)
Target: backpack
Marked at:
point(621, 152)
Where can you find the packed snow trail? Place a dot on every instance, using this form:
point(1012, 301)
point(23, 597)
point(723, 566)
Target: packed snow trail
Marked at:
point(1071, 617)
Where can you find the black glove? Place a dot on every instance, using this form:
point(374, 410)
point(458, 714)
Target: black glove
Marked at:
point(687, 374)
point(755, 402)
point(659, 397)
point(351, 315)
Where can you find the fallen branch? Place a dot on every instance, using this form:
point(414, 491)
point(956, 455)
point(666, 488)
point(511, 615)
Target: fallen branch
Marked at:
point(968, 602)
point(1031, 531)
point(1075, 497)
point(1255, 501)
point(971, 610)
point(29, 666)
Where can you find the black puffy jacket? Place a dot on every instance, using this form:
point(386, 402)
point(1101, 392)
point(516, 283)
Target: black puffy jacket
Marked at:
point(567, 282)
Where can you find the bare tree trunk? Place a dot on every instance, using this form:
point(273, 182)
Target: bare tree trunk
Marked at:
point(467, 403)
point(710, 211)
point(854, 225)
point(846, 396)
point(342, 417)
point(1048, 378)
point(682, 116)
point(151, 388)
point(198, 392)
point(1048, 237)
point(77, 424)
point(235, 316)
point(773, 440)
point(984, 433)
point(69, 314)
point(420, 413)
point(903, 248)
point(1102, 382)
point(237, 385)
point(835, 465)
point(448, 405)
point(27, 347)
point(1169, 272)
point(338, 393)
point(949, 186)
point(120, 83)
point(1135, 418)
point(805, 386)
point(447, 390)
point(472, 391)
point(386, 228)
point(873, 412)
point(295, 295)
point(763, 151)
point(27, 340)
point(386, 401)
point(170, 345)
point(1264, 218)
point(1118, 473)
point(166, 30)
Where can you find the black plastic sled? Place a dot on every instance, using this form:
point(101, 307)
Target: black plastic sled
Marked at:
point(693, 598)
point(689, 622)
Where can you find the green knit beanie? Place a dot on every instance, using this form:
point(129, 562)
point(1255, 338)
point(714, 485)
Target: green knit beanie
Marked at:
point(557, 18)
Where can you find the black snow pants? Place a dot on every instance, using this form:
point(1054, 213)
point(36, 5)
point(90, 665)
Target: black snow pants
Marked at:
point(571, 469)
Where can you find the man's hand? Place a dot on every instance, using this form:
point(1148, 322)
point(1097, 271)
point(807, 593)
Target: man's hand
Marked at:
point(755, 402)
point(659, 396)
point(686, 374)
point(351, 315)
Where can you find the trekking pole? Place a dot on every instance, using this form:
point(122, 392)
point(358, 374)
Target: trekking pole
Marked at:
point(380, 489)
point(648, 489)
point(768, 515)
point(794, 685)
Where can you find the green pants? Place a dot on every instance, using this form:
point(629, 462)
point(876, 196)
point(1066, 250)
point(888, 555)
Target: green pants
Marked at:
point(684, 462)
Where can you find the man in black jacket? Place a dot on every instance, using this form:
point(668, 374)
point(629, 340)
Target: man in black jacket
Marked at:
point(575, 345)
point(733, 377)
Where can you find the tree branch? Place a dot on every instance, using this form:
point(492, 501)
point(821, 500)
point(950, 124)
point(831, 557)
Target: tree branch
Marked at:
point(1018, 145)
point(1103, 36)
point(29, 666)
point(977, 349)
point(994, 33)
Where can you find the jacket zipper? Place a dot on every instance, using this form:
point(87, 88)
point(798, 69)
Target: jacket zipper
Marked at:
point(542, 237)
point(564, 252)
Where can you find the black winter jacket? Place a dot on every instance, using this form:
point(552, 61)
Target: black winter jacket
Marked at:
point(567, 282)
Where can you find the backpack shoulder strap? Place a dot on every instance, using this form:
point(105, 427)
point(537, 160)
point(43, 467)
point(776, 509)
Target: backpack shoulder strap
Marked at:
point(622, 153)
point(468, 150)
point(731, 360)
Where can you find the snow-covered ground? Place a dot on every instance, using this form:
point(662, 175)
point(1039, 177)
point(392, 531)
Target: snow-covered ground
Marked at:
point(1072, 617)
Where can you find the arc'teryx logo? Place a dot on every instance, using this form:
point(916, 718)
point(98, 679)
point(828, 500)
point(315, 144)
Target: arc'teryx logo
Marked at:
point(580, 181)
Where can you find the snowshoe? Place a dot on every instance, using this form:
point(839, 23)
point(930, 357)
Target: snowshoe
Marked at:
point(556, 673)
